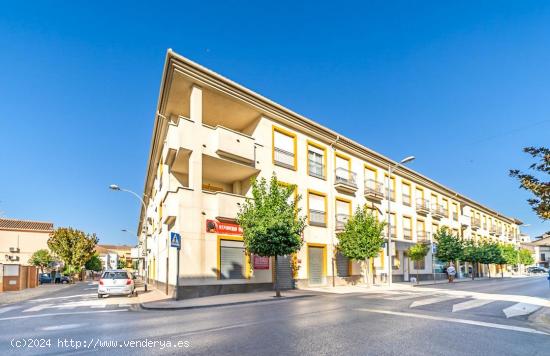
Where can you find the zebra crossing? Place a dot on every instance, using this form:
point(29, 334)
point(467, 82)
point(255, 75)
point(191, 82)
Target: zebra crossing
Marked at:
point(499, 305)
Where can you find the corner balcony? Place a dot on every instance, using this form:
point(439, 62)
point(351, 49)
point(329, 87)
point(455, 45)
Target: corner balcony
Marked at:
point(345, 181)
point(341, 221)
point(178, 140)
point(222, 205)
point(439, 212)
point(374, 190)
point(230, 144)
point(171, 203)
point(423, 206)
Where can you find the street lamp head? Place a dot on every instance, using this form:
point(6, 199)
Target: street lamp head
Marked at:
point(124, 230)
point(114, 187)
point(407, 159)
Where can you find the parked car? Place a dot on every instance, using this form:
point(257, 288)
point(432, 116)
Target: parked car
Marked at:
point(65, 279)
point(115, 282)
point(44, 278)
point(537, 270)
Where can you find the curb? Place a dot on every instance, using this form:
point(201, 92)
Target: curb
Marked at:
point(142, 306)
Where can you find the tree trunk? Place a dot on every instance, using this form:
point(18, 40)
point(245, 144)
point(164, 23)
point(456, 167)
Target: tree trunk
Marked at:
point(276, 280)
point(489, 269)
point(473, 270)
point(367, 273)
point(501, 272)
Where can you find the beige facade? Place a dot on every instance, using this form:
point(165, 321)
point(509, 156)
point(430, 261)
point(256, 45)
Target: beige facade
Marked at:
point(19, 239)
point(211, 136)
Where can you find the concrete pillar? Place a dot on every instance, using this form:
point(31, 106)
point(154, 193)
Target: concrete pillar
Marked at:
point(237, 187)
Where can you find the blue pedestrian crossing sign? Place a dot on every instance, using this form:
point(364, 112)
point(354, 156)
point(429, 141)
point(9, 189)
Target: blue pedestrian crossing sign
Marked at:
point(175, 240)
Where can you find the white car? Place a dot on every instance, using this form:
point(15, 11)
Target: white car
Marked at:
point(116, 282)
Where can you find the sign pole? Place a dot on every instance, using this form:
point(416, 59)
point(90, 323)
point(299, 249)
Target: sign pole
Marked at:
point(175, 241)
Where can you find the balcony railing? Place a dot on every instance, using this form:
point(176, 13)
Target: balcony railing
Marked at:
point(407, 233)
point(439, 211)
point(422, 206)
point(493, 230)
point(476, 224)
point(422, 236)
point(406, 199)
point(317, 218)
point(284, 158)
point(374, 189)
point(341, 221)
point(455, 216)
point(316, 169)
point(345, 180)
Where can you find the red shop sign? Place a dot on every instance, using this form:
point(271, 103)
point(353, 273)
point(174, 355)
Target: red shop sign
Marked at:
point(261, 262)
point(218, 227)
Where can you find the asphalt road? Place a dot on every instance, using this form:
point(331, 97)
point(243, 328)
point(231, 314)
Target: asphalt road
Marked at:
point(419, 321)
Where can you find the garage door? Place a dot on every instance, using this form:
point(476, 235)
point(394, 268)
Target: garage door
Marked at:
point(342, 265)
point(284, 272)
point(315, 264)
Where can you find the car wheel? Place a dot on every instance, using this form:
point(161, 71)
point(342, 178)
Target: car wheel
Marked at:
point(99, 295)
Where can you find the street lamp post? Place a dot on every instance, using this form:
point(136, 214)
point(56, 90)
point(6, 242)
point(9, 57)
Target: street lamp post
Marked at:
point(391, 168)
point(115, 187)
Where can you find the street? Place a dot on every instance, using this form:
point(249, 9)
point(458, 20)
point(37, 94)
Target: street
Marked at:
point(415, 321)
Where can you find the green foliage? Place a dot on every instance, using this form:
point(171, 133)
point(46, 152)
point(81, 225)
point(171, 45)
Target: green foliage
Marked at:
point(471, 251)
point(73, 247)
point(271, 221)
point(41, 258)
point(509, 254)
point(94, 264)
point(526, 257)
point(121, 263)
point(362, 236)
point(538, 186)
point(449, 246)
point(418, 252)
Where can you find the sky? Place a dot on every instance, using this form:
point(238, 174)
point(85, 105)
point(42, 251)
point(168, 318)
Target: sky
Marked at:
point(462, 85)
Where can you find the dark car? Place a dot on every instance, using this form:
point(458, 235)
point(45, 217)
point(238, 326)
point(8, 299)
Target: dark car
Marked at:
point(45, 278)
point(65, 279)
point(537, 270)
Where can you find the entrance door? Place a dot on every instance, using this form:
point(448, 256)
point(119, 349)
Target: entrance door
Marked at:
point(284, 272)
point(315, 265)
point(406, 268)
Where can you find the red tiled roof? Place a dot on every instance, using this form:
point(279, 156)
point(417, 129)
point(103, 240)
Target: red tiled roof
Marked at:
point(25, 225)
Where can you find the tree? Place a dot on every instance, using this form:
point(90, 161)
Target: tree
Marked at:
point(94, 264)
point(500, 258)
point(539, 186)
point(73, 247)
point(271, 221)
point(509, 254)
point(120, 264)
point(490, 254)
point(362, 238)
point(42, 259)
point(525, 257)
point(471, 252)
point(449, 246)
point(417, 253)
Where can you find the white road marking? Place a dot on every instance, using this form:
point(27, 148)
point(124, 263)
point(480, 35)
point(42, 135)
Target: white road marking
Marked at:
point(102, 306)
point(458, 321)
point(520, 309)
point(406, 296)
point(470, 304)
point(65, 297)
point(62, 327)
point(93, 288)
point(38, 307)
point(68, 313)
point(6, 309)
point(427, 301)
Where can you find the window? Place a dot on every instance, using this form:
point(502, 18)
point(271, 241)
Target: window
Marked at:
point(420, 264)
point(446, 207)
point(317, 209)
point(343, 171)
point(395, 262)
point(455, 211)
point(393, 220)
point(316, 160)
point(433, 201)
point(407, 228)
point(406, 193)
point(343, 212)
point(392, 186)
point(372, 211)
point(421, 234)
point(378, 261)
point(232, 259)
point(284, 148)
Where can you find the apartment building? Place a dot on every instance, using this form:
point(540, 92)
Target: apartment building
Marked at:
point(212, 136)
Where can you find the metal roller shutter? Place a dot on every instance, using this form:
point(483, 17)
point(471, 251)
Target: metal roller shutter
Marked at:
point(284, 272)
point(315, 265)
point(232, 260)
point(342, 265)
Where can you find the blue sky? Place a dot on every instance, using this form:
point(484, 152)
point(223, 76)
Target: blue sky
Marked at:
point(463, 86)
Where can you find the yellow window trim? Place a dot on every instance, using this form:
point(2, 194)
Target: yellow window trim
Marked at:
point(289, 134)
point(324, 247)
point(321, 147)
point(344, 200)
point(372, 169)
point(321, 194)
point(285, 184)
point(219, 262)
point(344, 157)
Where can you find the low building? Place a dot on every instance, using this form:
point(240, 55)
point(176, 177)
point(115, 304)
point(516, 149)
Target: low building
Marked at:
point(19, 239)
point(111, 254)
point(541, 245)
point(212, 135)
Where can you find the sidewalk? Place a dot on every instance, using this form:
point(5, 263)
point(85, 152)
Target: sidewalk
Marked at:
point(460, 280)
point(30, 293)
point(223, 300)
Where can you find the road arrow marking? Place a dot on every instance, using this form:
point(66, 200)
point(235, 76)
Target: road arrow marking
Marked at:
point(419, 303)
point(406, 296)
point(470, 304)
point(519, 309)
